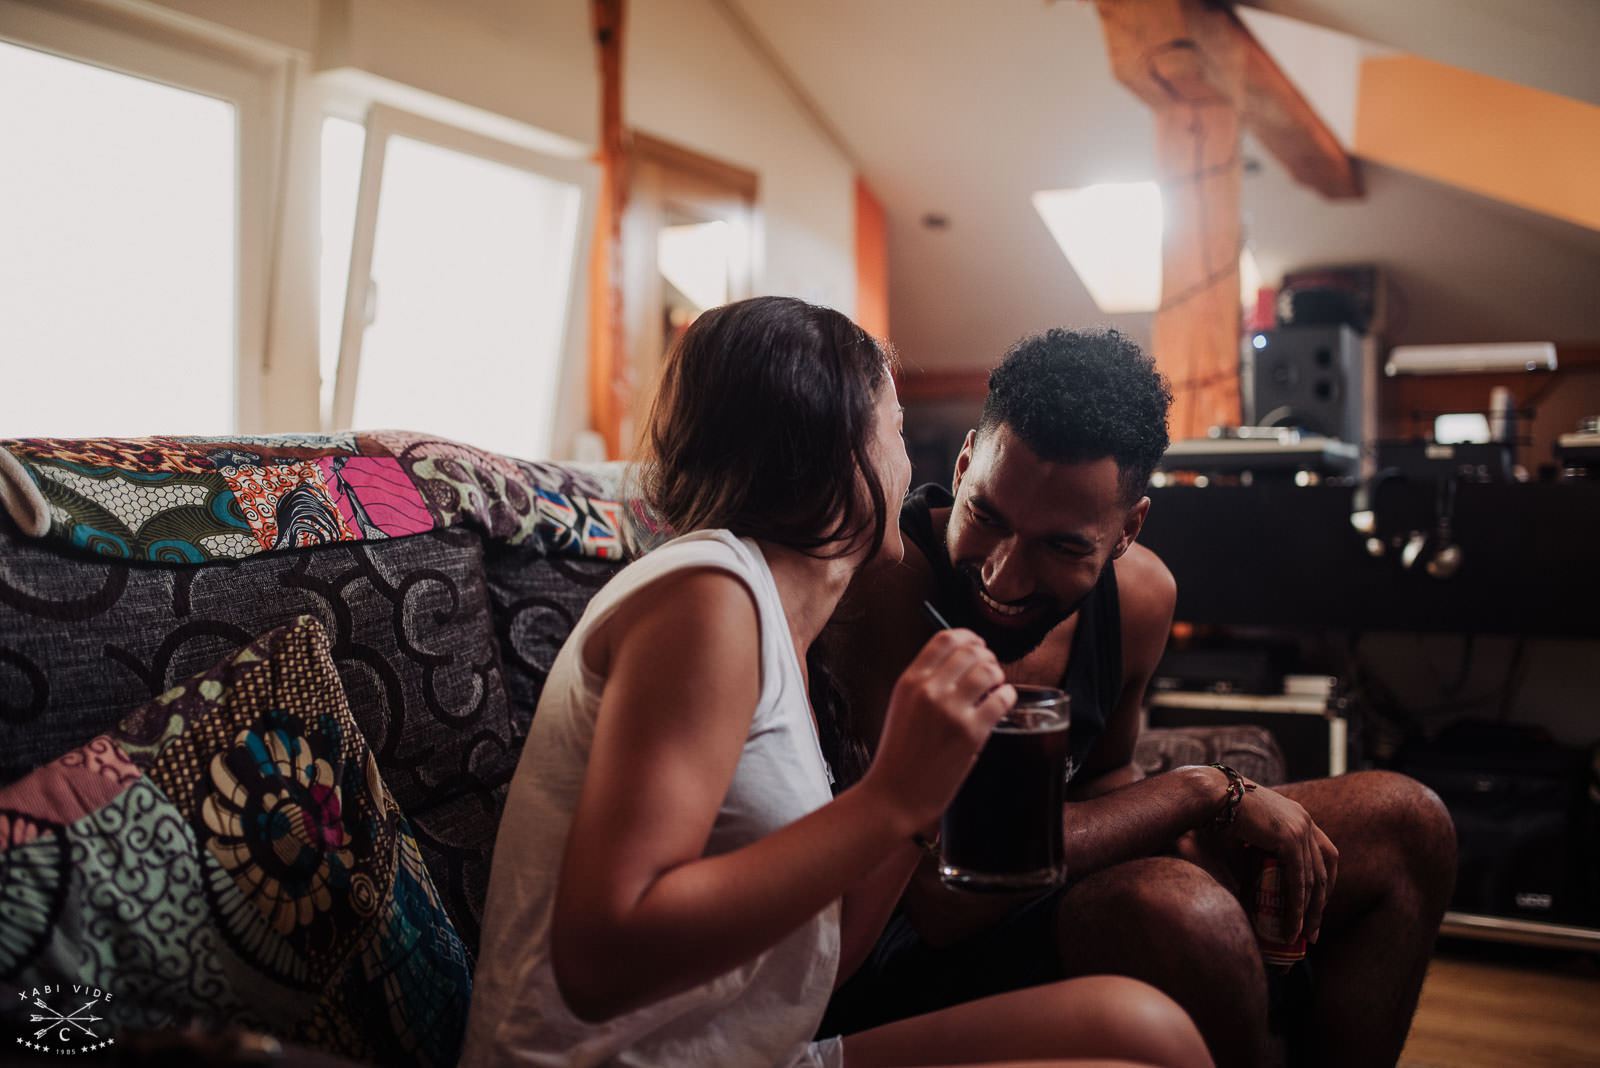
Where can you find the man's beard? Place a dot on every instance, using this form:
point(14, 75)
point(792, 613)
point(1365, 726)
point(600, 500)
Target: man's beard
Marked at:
point(958, 600)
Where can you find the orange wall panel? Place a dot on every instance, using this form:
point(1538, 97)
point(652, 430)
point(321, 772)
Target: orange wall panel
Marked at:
point(1502, 140)
point(872, 263)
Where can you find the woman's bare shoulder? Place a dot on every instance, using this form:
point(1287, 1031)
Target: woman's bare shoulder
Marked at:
point(688, 608)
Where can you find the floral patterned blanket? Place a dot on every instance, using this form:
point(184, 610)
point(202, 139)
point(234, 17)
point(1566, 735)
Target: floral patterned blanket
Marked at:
point(198, 499)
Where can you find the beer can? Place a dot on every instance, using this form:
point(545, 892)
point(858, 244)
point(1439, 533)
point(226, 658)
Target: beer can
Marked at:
point(1279, 952)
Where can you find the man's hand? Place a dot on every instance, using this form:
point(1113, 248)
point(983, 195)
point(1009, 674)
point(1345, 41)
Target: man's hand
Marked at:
point(1308, 861)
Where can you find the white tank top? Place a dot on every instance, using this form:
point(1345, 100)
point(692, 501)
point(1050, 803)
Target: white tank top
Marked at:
point(761, 1013)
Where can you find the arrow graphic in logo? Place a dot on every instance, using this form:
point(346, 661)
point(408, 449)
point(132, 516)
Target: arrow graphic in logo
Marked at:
point(56, 1019)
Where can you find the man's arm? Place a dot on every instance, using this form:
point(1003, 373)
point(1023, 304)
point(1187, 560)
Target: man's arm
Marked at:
point(1119, 817)
point(1146, 596)
point(877, 631)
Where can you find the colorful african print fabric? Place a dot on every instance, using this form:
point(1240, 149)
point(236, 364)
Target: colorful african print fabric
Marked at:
point(229, 855)
point(196, 500)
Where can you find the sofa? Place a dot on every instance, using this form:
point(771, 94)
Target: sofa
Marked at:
point(261, 699)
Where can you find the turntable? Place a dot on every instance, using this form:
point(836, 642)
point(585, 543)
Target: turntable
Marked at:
point(1579, 453)
point(1262, 450)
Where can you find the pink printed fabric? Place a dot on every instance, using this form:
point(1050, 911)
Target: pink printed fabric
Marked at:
point(374, 495)
point(65, 790)
point(261, 490)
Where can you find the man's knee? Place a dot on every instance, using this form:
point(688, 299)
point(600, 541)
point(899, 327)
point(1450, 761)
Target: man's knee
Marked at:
point(1159, 905)
point(1410, 819)
point(1167, 922)
point(1394, 835)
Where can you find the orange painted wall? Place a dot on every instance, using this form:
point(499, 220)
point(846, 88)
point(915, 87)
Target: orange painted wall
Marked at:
point(872, 263)
point(1497, 138)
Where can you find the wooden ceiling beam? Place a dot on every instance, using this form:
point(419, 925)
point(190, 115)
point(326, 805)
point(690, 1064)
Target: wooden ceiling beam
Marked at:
point(1286, 124)
point(1159, 49)
point(1207, 79)
point(1190, 69)
point(1181, 51)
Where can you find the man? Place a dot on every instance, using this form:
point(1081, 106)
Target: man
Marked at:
point(1036, 549)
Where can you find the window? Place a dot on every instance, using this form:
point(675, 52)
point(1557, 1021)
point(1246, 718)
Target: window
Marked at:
point(688, 237)
point(160, 268)
point(123, 226)
point(342, 143)
point(1111, 234)
point(465, 288)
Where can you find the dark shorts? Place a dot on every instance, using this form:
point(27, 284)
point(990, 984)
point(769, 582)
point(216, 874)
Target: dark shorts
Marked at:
point(904, 976)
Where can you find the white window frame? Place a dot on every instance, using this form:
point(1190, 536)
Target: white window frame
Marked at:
point(570, 405)
point(279, 104)
point(254, 86)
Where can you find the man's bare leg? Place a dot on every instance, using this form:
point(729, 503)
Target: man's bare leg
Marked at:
point(1397, 867)
point(1170, 924)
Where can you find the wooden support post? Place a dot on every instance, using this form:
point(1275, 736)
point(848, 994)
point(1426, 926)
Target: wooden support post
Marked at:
point(1193, 78)
point(610, 381)
point(1197, 326)
point(1206, 78)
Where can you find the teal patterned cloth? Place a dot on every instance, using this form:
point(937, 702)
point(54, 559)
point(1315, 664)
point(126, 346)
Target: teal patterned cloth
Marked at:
point(131, 870)
point(229, 856)
point(194, 500)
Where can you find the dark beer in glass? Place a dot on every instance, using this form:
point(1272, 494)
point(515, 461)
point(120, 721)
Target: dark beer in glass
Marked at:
point(1003, 830)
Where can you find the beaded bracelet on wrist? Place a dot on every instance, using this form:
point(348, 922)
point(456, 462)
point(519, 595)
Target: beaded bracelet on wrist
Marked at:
point(1237, 787)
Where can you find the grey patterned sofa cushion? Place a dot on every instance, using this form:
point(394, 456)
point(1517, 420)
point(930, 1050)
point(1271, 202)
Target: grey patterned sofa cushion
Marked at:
point(84, 640)
point(537, 601)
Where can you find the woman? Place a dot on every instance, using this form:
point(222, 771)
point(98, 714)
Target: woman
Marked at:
point(673, 882)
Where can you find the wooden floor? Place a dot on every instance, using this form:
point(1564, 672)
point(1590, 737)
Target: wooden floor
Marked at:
point(1494, 1006)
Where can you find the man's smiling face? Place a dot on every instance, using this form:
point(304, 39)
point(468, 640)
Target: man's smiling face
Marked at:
point(1030, 537)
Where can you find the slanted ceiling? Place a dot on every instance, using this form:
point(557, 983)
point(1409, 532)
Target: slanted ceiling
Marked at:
point(965, 107)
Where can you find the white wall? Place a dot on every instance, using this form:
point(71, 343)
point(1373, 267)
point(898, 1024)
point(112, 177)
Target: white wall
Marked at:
point(533, 62)
point(692, 78)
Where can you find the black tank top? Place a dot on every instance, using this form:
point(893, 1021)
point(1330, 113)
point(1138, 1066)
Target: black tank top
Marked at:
point(1094, 665)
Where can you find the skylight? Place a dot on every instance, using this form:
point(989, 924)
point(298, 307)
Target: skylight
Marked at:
point(1111, 234)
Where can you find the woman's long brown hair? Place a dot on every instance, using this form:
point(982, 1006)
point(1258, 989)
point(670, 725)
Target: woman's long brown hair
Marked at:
point(762, 425)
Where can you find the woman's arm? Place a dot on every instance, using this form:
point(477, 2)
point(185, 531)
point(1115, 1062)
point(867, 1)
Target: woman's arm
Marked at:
point(870, 903)
point(861, 643)
point(640, 913)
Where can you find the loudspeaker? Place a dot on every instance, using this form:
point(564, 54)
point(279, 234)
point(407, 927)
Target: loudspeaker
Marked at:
point(1525, 822)
point(1309, 377)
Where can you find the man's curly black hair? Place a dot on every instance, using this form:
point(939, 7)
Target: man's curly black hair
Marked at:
point(1072, 396)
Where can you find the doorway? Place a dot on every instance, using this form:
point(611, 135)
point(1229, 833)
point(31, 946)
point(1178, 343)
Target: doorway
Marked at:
point(688, 238)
